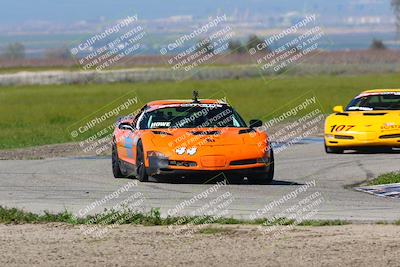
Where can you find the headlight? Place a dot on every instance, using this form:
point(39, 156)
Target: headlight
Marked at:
point(329, 136)
point(180, 150)
point(191, 151)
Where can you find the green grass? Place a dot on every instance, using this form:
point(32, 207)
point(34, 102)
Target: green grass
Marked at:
point(77, 67)
point(13, 215)
point(151, 218)
point(215, 230)
point(387, 178)
point(323, 222)
point(38, 115)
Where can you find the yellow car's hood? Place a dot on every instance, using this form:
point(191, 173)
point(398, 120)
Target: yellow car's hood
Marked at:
point(381, 121)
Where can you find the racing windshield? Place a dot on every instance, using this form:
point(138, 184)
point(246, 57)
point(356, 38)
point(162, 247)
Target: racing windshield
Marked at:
point(375, 101)
point(191, 116)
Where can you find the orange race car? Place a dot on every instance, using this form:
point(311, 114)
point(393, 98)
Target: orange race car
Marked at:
point(182, 138)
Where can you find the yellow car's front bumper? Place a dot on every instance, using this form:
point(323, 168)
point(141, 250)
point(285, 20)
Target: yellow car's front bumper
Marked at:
point(362, 139)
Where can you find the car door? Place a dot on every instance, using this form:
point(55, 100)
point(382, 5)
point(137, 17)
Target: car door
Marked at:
point(128, 134)
point(126, 148)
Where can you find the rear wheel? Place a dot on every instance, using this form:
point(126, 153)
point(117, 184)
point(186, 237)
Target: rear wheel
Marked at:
point(141, 173)
point(266, 177)
point(115, 163)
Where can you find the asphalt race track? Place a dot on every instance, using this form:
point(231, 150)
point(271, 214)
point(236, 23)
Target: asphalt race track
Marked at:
point(73, 183)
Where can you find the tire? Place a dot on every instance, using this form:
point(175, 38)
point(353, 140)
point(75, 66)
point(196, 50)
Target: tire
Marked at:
point(333, 150)
point(115, 162)
point(268, 176)
point(234, 179)
point(141, 173)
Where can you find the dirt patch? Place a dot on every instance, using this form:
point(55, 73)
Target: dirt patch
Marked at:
point(59, 244)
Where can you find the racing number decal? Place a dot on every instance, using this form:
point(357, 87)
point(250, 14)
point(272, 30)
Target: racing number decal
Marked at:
point(339, 128)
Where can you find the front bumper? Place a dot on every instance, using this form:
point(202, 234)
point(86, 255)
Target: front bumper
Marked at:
point(162, 167)
point(362, 139)
point(208, 174)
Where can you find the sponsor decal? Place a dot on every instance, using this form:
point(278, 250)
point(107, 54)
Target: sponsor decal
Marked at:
point(160, 124)
point(360, 108)
point(390, 126)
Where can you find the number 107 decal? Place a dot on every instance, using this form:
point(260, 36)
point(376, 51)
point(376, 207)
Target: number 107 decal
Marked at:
point(339, 128)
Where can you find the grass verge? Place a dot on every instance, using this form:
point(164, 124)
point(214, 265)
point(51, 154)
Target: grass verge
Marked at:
point(215, 230)
point(151, 218)
point(387, 178)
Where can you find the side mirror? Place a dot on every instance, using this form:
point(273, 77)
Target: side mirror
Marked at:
point(125, 126)
point(338, 109)
point(255, 123)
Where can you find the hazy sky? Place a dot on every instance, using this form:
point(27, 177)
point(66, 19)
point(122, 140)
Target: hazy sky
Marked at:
point(15, 11)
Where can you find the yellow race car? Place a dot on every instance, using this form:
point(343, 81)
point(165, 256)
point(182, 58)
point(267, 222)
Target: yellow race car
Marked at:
point(372, 119)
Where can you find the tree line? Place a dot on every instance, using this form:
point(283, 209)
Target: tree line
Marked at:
point(15, 51)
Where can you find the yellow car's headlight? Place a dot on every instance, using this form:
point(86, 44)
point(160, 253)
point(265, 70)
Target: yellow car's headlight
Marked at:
point(329, 136)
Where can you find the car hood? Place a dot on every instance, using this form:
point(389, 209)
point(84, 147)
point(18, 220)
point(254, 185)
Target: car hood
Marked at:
point(385, 120)
point(205, 137)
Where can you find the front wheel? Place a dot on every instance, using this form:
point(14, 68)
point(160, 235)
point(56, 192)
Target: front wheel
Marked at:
point(141, 173)
point(268, 176)
point(233, 179)
point(333, 150)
